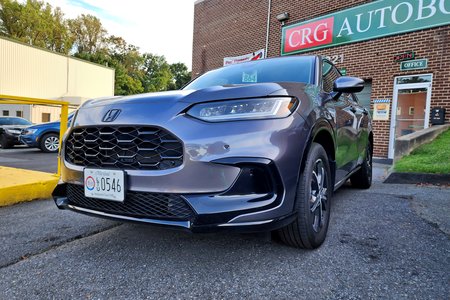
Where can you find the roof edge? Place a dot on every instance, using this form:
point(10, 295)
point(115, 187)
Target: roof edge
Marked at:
point(6, 38)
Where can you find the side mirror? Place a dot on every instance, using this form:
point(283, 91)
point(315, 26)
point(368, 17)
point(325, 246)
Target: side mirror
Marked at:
point(347, 84)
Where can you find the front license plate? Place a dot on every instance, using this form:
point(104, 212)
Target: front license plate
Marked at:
point(104, 184)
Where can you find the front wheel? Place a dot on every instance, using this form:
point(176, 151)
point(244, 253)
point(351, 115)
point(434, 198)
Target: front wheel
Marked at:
point(312, 203)
point(49, 143)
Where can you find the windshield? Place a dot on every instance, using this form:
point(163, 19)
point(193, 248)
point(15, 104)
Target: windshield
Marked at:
point(288, 69)
point(14, 121)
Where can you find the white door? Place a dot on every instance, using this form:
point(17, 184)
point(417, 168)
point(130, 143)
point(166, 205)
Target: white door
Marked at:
point(410, 108)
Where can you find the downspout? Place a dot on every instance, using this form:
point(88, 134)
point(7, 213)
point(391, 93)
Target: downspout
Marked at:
point(268, 28)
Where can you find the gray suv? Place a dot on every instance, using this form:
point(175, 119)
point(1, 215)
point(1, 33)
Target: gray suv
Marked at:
point(259, 146)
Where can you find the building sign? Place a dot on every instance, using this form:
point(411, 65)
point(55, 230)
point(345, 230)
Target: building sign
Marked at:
point(381, 109)
point(243, 58)
point(365, 22)
point(417, 64)
point(404, 56)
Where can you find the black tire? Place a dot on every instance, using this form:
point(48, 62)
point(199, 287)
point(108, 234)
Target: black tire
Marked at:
point(312, 203)
point(4, 143)
point(49, 143)
point(362, 179)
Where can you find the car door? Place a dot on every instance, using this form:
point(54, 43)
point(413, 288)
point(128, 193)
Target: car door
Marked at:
point(363, 127)
point(346, 122)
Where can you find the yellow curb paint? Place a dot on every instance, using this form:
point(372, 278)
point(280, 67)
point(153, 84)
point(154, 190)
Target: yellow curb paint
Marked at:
point(19, 185)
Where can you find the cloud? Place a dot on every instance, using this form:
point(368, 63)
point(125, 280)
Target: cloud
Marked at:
point(162, 27)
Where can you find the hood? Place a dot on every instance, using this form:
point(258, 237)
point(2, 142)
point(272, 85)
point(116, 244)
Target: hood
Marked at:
point(169, 96)
point(14, 126)
point(224, 92)
point(160, 107)
point(48, 124)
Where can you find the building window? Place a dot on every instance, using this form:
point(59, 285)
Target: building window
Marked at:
point(46, 117)
point(5, 113)
point(19, 113)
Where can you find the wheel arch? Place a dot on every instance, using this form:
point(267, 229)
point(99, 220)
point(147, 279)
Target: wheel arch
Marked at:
point(323, 134)
point(44, 133)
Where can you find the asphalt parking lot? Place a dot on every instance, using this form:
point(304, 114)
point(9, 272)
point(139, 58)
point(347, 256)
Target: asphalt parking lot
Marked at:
point(391, 241)
point(28, 158)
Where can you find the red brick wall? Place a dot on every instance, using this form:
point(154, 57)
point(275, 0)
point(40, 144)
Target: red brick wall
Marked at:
point(236, 27)
point(224, 28)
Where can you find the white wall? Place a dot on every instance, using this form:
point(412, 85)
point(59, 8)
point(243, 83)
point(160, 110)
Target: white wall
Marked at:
point(31, 72)
point(12, 108)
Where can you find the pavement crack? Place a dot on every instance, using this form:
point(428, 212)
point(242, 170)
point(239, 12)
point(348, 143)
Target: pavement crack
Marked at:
point(57, 245)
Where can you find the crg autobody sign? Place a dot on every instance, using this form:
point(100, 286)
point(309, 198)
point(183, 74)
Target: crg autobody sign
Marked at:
point(364, 22)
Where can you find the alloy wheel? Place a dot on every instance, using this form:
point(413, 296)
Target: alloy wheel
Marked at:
point(319, 196)
point(51, 143)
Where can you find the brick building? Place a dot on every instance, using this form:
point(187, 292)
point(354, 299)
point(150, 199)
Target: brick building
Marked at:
point(400, 49)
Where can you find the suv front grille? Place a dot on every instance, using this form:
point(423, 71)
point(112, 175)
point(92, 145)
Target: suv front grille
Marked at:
point(124, 147)
point(136, 204)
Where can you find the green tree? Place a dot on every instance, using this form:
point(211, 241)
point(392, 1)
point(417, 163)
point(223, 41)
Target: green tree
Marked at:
point(88, 33)
point(180, 76)
point(35, 23)
point(157, 74)
point(128, 64)
point(124, 83)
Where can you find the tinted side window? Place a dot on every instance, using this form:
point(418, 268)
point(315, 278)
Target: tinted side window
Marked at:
point(329, 75)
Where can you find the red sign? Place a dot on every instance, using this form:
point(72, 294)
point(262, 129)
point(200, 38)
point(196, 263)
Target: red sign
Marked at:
point(309, 35)
point(404, 56)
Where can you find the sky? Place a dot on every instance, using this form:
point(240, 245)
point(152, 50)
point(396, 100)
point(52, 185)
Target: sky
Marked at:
point(162, 27)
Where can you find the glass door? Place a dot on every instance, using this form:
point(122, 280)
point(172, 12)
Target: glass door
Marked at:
point(411, 111)
point(411, 107)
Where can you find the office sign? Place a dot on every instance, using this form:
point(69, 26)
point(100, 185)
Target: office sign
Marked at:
point(365, 22)
point(416, 64)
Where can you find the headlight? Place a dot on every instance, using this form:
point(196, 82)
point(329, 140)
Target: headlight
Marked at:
point(12, 131)
point(258, 108)
point(28, 131)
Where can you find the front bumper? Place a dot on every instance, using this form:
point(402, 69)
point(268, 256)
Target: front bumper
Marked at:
point(215, 177)
point(12, 138)
point(258, 192)
point(29, 140)
point(62, 202)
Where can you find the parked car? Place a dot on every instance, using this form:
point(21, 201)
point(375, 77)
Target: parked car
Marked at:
point(258, 146)
point(10, 128)
point(44, 136)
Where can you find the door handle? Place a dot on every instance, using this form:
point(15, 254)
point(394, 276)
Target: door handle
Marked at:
point(365, 111)
point(352, 109)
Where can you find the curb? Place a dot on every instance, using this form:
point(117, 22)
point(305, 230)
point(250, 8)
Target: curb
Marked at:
point(418, 178)
point(19, 185)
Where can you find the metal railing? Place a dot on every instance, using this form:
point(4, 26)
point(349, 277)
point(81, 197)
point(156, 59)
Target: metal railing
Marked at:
point(9, 99)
